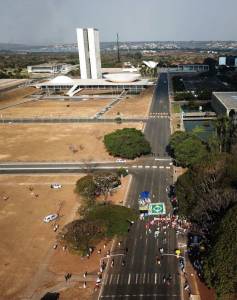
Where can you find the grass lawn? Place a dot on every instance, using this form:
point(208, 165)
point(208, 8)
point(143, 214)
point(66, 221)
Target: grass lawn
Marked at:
point(176, 108)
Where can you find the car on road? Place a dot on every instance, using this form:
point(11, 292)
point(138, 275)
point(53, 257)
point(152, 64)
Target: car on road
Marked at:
point(50, 218)
point(56, 186)
point(120, 160)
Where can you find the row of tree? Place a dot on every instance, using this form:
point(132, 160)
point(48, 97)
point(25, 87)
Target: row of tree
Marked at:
point(207, 195)
point(98, 220)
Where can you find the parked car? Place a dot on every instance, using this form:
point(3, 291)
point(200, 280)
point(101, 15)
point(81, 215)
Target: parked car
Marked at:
point(50, 218)
point(56, 186)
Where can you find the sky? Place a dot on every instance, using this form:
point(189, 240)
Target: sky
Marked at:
point(55, 21)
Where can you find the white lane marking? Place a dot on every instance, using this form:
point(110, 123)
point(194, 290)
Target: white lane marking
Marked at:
point(111, 278)
point(134, 166)
point(167, 167)
point(146, 241)
point(161, 167)
point(154, 167)
point(144, 259)
point(147, 167)
point(129, 278)
point(118, 279)
point(136, 280)
point(106, 278)
point(136, 296)
point(140, 167)
point(144, 278)
point(155, 278)
point(171, 164)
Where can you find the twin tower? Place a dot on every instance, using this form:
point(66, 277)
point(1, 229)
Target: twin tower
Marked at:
point(89, 53)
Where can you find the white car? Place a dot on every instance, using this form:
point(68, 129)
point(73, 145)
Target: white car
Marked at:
point(120, 160)
point(56, 186)
point(50, 218)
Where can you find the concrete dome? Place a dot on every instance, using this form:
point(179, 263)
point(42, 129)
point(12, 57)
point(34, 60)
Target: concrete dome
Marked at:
point(62, 80)
point(150, 64)
point(122, 77)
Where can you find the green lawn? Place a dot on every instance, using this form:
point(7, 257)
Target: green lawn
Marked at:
point(176, 108)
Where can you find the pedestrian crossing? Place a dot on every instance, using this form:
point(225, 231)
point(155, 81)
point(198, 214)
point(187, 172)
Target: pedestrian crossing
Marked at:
point(159, 115)
point(150, 167)
point(137, 279)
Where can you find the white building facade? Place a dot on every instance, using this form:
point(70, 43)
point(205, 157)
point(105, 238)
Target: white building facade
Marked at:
point(89, 53)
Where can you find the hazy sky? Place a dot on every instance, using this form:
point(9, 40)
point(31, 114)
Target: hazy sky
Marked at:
point(54, 21)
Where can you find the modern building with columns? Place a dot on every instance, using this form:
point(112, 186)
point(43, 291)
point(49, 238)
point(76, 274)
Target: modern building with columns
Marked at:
point(89, 53)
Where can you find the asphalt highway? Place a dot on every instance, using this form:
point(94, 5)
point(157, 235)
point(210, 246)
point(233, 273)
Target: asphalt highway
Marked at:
point(141, 277)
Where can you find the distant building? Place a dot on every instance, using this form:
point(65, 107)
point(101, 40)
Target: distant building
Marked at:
point(190, 68)
point(89, 53)
point(45, 68)
point(228, 61)
point(50, 68)
point(225, 103)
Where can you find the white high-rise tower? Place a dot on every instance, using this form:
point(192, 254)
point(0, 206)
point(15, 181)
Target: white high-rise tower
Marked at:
point(89, 53)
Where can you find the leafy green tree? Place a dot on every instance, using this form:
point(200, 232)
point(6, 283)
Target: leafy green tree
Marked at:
point(220, 265)
point(127, 143)
point(190, 152)
point(105, 182)
point(86, 187)
point(115, 217)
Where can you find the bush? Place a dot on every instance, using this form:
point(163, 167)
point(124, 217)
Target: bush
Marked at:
point(115, 218)
point(127, 143)
point(122, 172)
point(101, 221)
point(184, 96)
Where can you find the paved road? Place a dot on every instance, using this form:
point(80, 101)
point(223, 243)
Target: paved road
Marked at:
point(141, 278)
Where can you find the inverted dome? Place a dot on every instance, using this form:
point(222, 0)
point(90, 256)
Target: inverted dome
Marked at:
point(150, 64)
point(62, 80)
point(122, 77)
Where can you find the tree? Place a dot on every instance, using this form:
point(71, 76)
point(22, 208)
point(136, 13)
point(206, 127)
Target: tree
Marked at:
point(101, 221)
point(105, 182)
point(127, 143)
point(225, 131)
point(86, 188)
point(79, 235)
point(190, 152)
point(220, 266)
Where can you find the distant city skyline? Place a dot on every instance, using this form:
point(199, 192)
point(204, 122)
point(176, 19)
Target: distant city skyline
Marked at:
point(55, 21)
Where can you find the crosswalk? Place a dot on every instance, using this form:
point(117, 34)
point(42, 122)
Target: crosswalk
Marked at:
point(150, 167)
point(159, 115)
point(137, 279)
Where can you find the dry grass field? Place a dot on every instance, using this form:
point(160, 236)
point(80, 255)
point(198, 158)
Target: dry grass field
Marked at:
point(56, 142)
point(29, 264)
point(133, 106)
point(15, 96)
point(25, 238)
point(55, 108)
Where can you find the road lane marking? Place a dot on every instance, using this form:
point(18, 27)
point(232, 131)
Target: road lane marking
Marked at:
point(167, 167)
point(136, 280)
point(134, 166)
point(147, 167)
point(148, 277)
point(137, 296)
point(118, 279)
point(106, 278)
point(144, 278)
point(111, 278)
point(140, 167)
point(154, 167)
point(161, 167)
point(155, 278)
point(129, 278)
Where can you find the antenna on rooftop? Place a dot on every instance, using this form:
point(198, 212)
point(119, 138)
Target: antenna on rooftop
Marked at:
point(118, 54)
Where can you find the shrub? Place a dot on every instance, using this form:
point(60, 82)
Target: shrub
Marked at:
point(127, 143)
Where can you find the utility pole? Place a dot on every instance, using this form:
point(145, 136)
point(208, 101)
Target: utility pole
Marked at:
point(118, 54)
